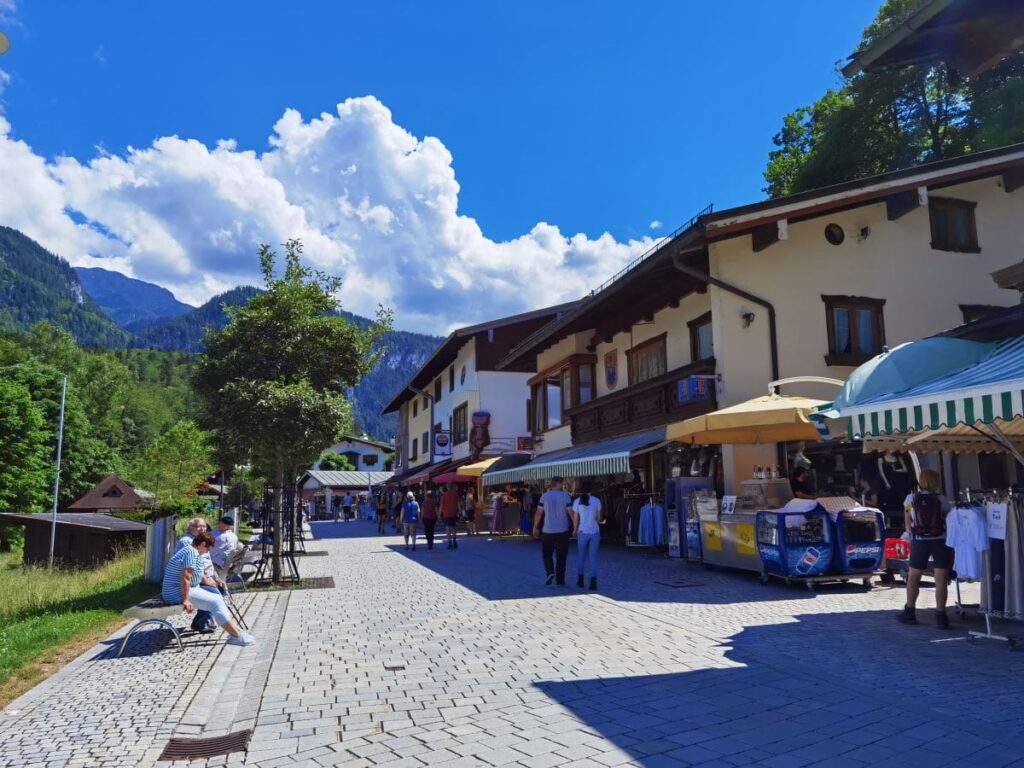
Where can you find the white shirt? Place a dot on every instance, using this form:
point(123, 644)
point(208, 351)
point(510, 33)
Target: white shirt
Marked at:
point(227, 542)
point(967, 534)
point(589, 515)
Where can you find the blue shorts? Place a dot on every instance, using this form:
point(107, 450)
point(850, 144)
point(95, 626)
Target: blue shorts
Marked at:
point(450, 522)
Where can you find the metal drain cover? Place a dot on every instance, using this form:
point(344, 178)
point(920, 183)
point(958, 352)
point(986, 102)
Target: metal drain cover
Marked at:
point(193, 749)
point(394, 667)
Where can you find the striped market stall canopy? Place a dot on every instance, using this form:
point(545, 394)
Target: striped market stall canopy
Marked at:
point(989, 391)
point(609, 457)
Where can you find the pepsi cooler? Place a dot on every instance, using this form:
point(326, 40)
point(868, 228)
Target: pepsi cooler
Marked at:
point(795, 542)
point(860, 540)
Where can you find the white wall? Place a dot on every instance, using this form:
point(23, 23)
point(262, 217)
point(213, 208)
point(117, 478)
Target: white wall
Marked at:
point(505, 396)
point(923, 289)
point(363, 450)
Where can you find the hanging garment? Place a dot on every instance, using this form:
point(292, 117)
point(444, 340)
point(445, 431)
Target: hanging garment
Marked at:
point(1013, 607)
point(967, 534)
point(993, 590)
point(645, 531)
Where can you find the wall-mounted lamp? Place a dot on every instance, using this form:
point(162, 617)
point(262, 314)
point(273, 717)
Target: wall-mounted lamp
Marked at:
point(748, 318)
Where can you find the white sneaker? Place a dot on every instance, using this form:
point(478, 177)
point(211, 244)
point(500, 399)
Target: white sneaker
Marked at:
point(244, 640)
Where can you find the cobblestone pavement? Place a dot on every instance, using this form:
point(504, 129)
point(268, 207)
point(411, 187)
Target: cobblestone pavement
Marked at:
point(465, 659)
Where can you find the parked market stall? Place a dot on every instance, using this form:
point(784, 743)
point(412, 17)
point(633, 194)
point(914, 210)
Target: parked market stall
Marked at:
point(972, 399)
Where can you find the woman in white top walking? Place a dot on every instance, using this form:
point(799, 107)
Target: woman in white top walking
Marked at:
point(588, 519)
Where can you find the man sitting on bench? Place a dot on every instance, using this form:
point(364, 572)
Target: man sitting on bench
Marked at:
point(181, 586)
point(227, 543)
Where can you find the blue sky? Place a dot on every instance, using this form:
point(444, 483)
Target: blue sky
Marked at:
point(592, 117)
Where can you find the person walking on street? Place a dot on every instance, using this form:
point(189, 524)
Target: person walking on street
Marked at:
point(924, 517)
point(346, 506)
point(450, 514)
point(470, 505)
point(429, 514)
point(587, 517)
point(410, 516)
point(552, 525)
point(383, 513)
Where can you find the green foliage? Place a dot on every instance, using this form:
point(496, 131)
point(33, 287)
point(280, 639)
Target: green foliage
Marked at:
point(335, 462)
point(273, 380)
point(37, 285)
point(246, 485)
point(41, 609)
point(186, 332)
point(881, 121)
point(24, 452)
point(174, 463)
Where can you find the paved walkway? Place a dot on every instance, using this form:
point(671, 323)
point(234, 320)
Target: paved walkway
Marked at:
point(465, 659)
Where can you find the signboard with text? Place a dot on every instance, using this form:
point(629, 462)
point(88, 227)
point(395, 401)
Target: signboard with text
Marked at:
point(694, 388)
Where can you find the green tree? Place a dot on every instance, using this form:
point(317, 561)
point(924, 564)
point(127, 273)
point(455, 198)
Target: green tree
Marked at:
point(245, 486)
point(86, 459)
point(273, 380)
point(174, 463)
point(880, 121)
point(24, 456)
point(335, 462)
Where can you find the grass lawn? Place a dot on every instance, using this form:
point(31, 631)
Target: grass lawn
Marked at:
point(47, 617)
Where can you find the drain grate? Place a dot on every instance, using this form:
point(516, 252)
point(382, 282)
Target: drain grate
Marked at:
point(680, 584)
point(312, 554)
point(194, 749)
point(394, 668)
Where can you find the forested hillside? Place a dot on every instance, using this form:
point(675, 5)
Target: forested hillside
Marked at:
point(37, 285)
point(132, 304)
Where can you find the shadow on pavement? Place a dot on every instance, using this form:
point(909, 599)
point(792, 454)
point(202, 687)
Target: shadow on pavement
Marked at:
point(846, 686)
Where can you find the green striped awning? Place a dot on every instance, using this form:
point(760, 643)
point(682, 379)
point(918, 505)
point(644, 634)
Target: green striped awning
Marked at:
point(991, 390)
point(610, 457)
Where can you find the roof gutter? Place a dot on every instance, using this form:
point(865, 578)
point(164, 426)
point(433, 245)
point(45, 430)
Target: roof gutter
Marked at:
point(704, 277)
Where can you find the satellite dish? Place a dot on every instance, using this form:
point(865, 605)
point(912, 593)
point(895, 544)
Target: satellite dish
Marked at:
point(5, 44)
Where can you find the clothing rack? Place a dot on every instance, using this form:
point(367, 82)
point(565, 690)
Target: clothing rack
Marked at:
point(646, 497)
point(1010, 498)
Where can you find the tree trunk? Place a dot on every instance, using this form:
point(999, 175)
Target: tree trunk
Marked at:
point(278, 532)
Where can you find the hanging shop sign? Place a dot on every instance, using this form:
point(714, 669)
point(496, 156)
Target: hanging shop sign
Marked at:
point(442, 443)
point(694, 388)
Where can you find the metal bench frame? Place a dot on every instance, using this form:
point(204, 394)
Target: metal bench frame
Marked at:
point(142, 623)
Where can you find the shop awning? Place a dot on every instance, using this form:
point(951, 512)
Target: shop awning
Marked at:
point(988, 392)
point(960, 439)
point(609, 457)
point(452, 477)
point(768, 419)
point(506, 461)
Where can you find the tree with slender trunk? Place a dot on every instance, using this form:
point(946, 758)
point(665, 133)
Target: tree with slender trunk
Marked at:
point(273, 381)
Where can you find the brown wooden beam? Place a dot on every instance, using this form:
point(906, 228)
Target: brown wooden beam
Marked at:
point(900, 204)
point(764, 236)
point(1013, 179)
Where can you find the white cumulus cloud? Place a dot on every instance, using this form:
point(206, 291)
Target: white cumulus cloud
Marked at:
point(656, 224)
point(370, 201)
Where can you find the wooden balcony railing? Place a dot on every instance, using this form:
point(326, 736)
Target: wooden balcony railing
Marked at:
point(641, 406)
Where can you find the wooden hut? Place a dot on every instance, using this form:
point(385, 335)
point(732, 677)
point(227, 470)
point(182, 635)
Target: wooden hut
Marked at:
point(112, 494)
point(83, 539)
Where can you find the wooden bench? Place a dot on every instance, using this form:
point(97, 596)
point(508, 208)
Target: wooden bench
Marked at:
point(152, 611)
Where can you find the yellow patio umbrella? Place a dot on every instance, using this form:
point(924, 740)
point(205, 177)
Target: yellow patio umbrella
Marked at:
point(768, 419)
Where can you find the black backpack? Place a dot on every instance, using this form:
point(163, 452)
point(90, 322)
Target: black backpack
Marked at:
point(929, 521)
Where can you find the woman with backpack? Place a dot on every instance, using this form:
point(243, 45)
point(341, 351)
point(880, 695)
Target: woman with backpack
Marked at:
point(410, 516)
point(924, 517)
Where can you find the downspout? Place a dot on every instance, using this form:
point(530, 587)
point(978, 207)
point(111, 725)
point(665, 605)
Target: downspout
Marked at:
point(704, 277)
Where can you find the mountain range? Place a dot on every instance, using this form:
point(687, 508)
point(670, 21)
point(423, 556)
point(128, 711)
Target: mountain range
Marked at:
point(101, 308)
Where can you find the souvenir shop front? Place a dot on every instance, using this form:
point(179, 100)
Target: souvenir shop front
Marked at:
point(627, 474)
point(968, 411)
point(761, 527)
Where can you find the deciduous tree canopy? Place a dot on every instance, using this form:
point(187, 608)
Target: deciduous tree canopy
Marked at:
point(881, 121)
